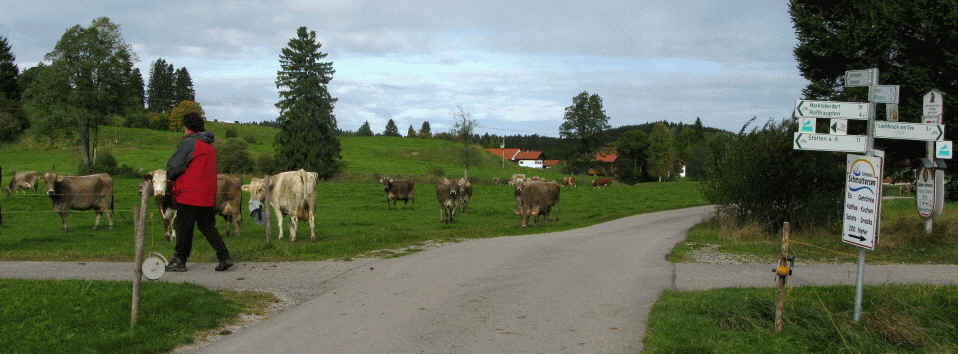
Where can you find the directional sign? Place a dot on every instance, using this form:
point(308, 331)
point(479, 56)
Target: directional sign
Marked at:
point(827, 142)
point(831, 109)
point(862, 201)
point(838, 127)
point(925, 193)
point(933, 104)
point(909, 131)
point(859, 78)
point(883, 94)
point(943, 149)
point(806, 125)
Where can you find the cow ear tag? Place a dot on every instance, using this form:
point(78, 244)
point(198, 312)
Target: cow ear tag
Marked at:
point(154, 266)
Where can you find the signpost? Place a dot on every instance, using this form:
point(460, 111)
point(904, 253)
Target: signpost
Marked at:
point(830, 109)
point(909, 131)
point(862, 201)
point(883, 94)
point(925, 194)
point(933, 106)
point(828, 142)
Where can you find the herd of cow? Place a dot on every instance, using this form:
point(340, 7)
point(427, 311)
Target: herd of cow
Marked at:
point(291, 194)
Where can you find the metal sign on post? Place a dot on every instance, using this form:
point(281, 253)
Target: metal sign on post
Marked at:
point(862, 201)
point(859, 78)
point(909, 131)
point(828, 142)
point(943, 149)
point(933, 105)
point(883, 94)
point(830, 109)
point(838, 127)
point(925, 193)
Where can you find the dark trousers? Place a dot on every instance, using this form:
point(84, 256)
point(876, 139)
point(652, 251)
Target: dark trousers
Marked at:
point(204, 218)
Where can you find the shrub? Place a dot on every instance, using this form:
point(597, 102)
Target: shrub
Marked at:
point(266, 164)
point(137, 120)
point(233, 157)
point(251, 139)
point(105, 162)
point(12, 119)
point(756, 176)
point(231, 132)
point(175, 122)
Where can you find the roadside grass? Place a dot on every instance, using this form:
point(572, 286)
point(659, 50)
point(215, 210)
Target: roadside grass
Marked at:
point(895, 319)
point(61, 316)
point(351, 220)
point(901, 240)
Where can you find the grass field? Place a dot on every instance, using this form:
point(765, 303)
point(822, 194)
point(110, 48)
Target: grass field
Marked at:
point(901, 240)
point(895, 319)
point(73, 316)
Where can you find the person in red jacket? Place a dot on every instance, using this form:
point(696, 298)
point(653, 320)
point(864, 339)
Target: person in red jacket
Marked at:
point(192, 172)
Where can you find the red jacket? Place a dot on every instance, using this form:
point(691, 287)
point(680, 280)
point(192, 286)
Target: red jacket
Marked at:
point(192, 170)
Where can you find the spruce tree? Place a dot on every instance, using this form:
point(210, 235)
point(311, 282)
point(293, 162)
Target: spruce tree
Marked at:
point(136, 83)
point(391, 129)
point(8, 71)
point(307, 137)
point(411, 133)
point(183, 86)
point(424, 130)
point(365, 130)
point(160, 88)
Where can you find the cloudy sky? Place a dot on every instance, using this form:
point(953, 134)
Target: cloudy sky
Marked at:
point(512, 65)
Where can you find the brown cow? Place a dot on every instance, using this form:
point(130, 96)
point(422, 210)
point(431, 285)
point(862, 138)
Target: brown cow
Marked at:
point(24, 180)
point(464, 194)
point(397, 189)
point(81, 193)
point(537, 198)
point(447, 195)
point(601, 182)
point(569, 181)
point(229, 201)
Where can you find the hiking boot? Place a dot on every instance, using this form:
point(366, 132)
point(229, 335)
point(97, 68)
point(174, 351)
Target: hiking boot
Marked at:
point(176, 265)
point(224, 265)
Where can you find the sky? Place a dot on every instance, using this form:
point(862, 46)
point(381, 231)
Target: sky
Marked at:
point(513, 66)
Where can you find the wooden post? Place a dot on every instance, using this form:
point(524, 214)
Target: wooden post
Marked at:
point(783, 261)
point(266, 206)
point(1, 206)
point(146, 190)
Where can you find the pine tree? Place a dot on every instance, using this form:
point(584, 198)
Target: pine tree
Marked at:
point(160, 88)
point(411, 133)
point(183, 86)
point(307, 137)
point(365, 130)
point(424, 130)
point(8, 71)
point(136, 83)
point(391, 129)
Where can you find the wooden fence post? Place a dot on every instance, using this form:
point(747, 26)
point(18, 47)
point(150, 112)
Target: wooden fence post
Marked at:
point(266, 206)
point(1, 205)
point(782, 262)
point(146, 190)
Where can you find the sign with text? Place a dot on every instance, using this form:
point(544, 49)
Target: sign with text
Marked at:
point(862, 201)
point(830, 109)
point(943, 149)
point(925, 193)
point(828, 142)
point(838, 127)
point(883, 94)
point(806, 125)
point(909, 131)
point(859, 78)
point(933, 105)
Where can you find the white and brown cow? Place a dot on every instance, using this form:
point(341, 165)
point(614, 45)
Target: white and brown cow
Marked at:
point(24, 180)
point(291, 193)
point(228, 201)
point(81, 193)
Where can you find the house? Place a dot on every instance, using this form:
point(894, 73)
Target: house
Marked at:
point(530, 159)
point(605, 163)
point(508, 154)
point(550, 163)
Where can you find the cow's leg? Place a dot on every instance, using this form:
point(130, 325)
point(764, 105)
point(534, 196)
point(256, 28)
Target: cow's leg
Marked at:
point(109, 219)
point(63, 217)
point(279, 220)
point(293, 225)
point(312, 225)
point(236, 223)
point(96, 221)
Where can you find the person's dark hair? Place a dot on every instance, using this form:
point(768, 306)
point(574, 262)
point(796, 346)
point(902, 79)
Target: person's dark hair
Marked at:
point(193, 121)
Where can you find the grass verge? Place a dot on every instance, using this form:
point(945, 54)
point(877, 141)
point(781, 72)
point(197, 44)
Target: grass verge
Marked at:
point(895, 319)
point(60, 316)
point(901, 240)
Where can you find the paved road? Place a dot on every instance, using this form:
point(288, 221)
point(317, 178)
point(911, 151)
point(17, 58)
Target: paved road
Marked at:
point(585, 290)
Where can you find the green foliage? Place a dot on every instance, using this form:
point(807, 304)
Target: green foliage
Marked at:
point(8, 71)
point(251, 139)
point(425, 131)
point(632, 149)
point(231, 132)
point(582, 126)
point(105, 162)
point(137, 120)
point(364, 130)
point(160, 88)
point(158, 121)
point(411, 133)
point(391, 129)
point(437, 171)
point(182, 109)
point(661, 152)
point(758, 177)
point(234, 157)
point(139, 95)
point(265, 164)
point(183, 86)
point(307, 137)
point(13, 121)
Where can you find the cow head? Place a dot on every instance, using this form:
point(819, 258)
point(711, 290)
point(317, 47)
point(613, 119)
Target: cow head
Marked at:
point(387, 183)
point(51, 179)
point(158, 177)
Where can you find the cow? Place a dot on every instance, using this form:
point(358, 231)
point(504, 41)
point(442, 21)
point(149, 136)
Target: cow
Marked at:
point(81, 193)
point(464, 194)
point(569, 181)
point(228, 201)
point(397, 190)
point(24, 180)
point(601, 182)
point(447, 194)
point(291, 193)
point(516, 178)
point(496, 180)
point(537, 198)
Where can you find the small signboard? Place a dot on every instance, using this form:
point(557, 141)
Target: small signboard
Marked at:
point(933, 105)
point(830, 109)
point(862, 201)
point(859, 78)
point(806, 125)
point(909, 131)
point(925, 193)
point(883, 94)
point(838, 127)
point(943, 149)
point(828, 142)
point(891, 112)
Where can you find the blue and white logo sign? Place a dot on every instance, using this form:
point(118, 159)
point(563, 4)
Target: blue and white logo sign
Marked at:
point(943, 149)
point(806, 125)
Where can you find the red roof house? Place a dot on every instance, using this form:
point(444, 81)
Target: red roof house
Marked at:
point(509, 154)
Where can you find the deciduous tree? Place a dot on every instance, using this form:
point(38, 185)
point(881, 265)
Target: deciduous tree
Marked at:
point(661, 152)
point(582, 126)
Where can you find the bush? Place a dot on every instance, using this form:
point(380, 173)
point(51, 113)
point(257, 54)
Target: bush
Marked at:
point(251, 139)
point(12, 119)
point(758, 177)
point(231, 132)
point(266, 164)
point(175, 122)
point(106, 163)
point(137, 120)
point(233, 157)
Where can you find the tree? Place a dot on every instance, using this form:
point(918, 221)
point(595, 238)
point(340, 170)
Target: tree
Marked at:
point(139, 95)
point(463, 129)
point(424, 130)
point(364, 130)
point(160, 88)
point(411, 133)
point(391, 129)
point(183, 86)
point(632, 149)
point(8, 71)
point(12, 119)
point(582, 127)
point(87, 80)
point(307, 137)
point(912, 43)
point(661, 152)
point(175, 122)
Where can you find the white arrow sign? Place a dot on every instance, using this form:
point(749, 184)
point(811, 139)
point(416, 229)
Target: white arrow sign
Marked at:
point(830, 109)
point(827, 142)
point(838, 127)
point(883, 94)
point(909, 131)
